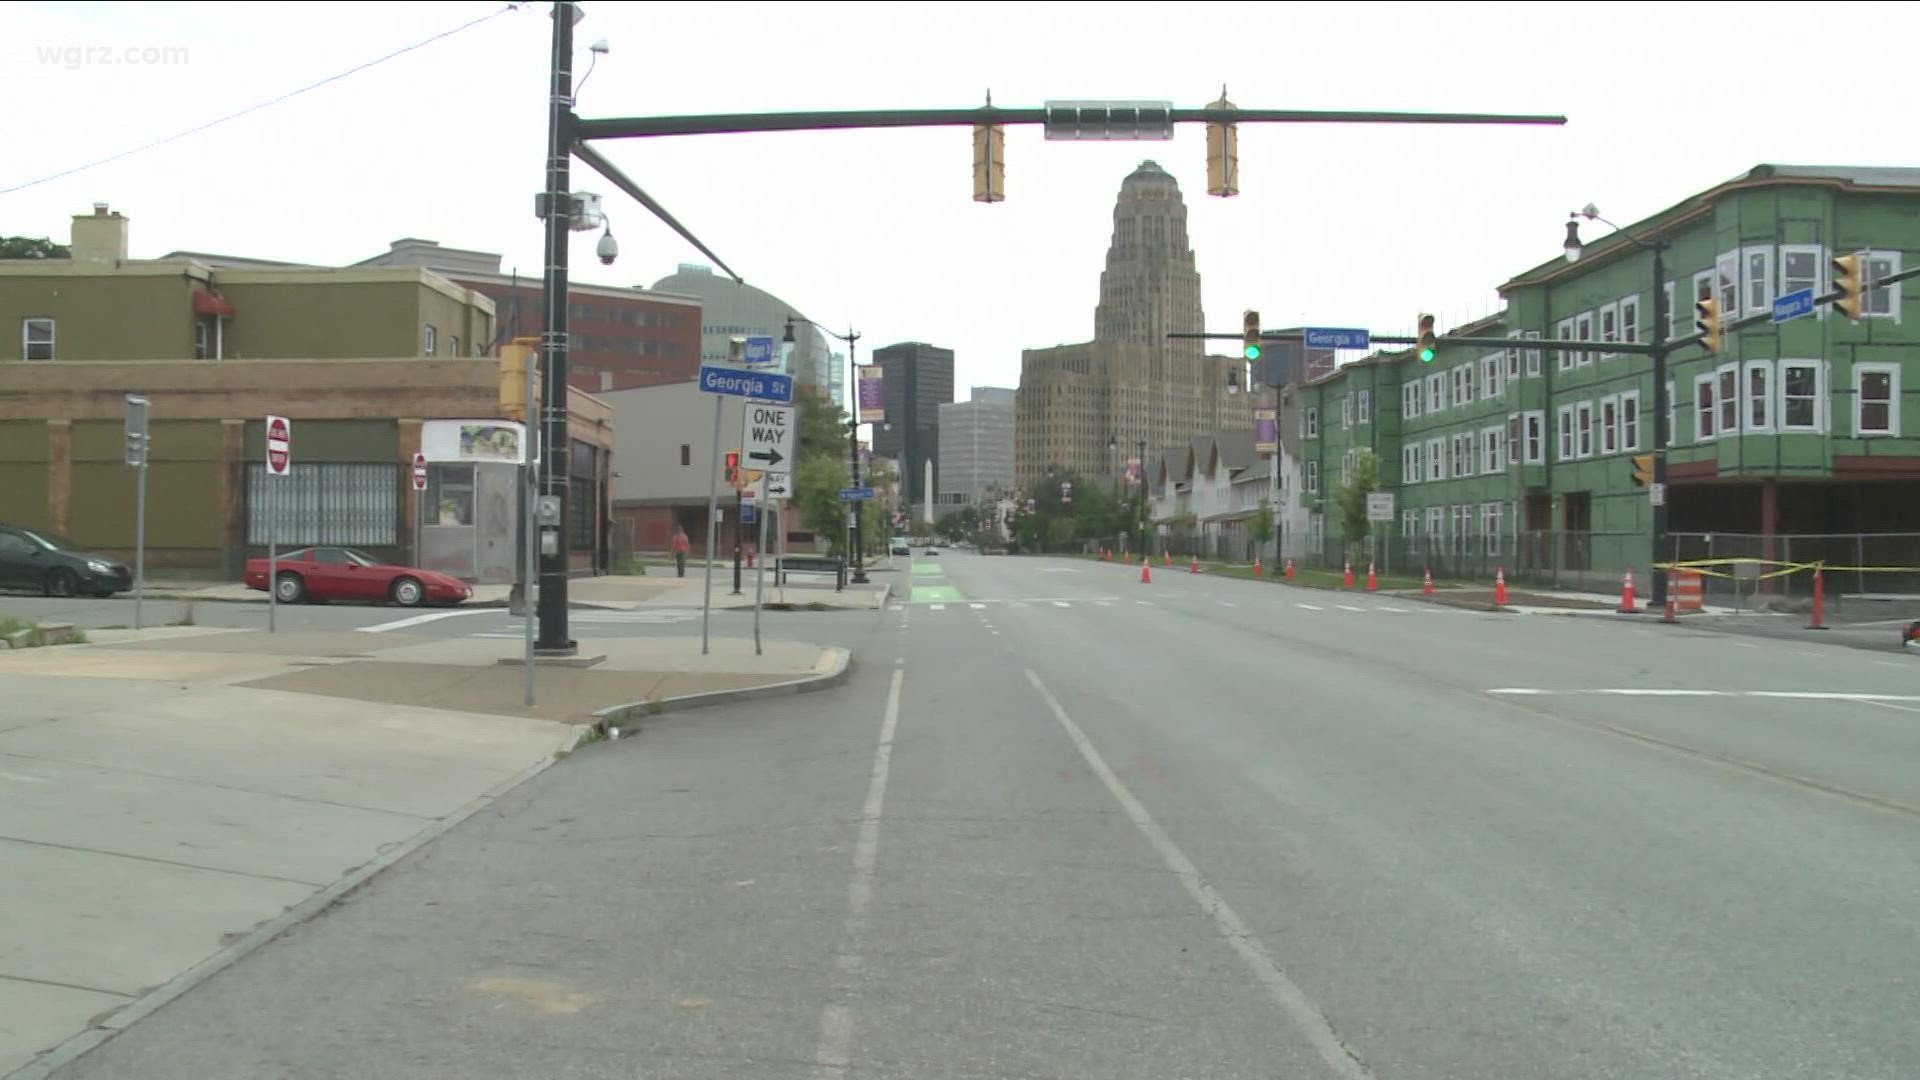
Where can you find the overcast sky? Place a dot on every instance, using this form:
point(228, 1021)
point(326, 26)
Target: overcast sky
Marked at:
point(1336, 225)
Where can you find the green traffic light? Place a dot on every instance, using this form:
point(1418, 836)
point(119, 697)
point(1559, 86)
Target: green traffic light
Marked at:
point(1426, 356)
point(1253, 352)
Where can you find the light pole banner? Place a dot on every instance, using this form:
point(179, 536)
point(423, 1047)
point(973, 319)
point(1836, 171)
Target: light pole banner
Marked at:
point(873, 399)
point(1266, 432)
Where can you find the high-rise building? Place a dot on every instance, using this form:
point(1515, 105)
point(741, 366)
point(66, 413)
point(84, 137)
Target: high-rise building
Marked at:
point(732, 309)
point(1080, 404)
point(917, 379)
point(976, 447)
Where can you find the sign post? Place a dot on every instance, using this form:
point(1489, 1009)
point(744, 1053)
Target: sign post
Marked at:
point(279, 464)
point(1380, 510)
point(720, 380)
point(760, 575)
point(136, 430)
point(766, 440)
point(419, 505)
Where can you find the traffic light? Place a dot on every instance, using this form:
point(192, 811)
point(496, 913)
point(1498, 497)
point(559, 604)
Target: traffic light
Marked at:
point(989, 163)
point(1642, 470)
point(1706, 319)
point(515, 357)
point(1250, 335)
point(1428, 343)
point(1223, 149)
point(733, 467)
point(1847, 279)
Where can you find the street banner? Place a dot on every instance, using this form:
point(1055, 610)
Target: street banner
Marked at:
point(873, 400)
point(1266, 432)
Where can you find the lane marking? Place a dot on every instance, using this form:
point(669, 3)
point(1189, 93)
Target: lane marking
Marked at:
point(1745, 645)
point(1293, 1001)
point(419, 620)
point(1637, 691)
point(1102, 603)
point(831, 1051)
point(1228, 603)
point(937, 607)
point(1061, 603)
point(1395, 610)
point(1350, 607)
point(1144, 603)
point(978, 607)
point(1309, 607)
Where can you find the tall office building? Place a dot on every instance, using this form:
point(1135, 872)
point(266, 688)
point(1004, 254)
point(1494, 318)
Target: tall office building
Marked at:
point(1131, 384)
point(917, 379)
point(976, 448)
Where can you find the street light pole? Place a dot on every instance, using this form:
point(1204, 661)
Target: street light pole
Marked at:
point(1657, 246)
point(850, 338)
point(558, 207)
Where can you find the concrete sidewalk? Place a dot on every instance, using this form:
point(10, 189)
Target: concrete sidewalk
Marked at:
point(177, 796)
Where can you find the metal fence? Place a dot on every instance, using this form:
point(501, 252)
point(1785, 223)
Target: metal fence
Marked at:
point(1862, 563)
point(350, 504)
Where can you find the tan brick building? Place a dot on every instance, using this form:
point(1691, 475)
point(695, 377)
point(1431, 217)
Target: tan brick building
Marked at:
point(357, 359)
point(1131, 384)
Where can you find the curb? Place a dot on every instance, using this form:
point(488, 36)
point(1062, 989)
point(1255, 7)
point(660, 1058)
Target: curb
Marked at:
point(616, 716)
point(197, 599)
point(107, 1025)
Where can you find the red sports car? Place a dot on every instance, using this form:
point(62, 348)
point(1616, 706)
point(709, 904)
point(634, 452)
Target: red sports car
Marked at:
point(338, 573)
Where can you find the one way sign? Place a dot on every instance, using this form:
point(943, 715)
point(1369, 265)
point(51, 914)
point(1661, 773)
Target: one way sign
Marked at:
point(766, 439)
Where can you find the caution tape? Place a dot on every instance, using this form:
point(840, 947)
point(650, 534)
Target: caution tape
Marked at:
point(1786, 568)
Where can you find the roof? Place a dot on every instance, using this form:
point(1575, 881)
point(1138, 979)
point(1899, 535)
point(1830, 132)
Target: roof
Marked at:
point(237, 262)
point(1859, 177)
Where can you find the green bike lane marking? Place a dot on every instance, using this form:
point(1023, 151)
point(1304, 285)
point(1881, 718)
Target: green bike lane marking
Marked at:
point(930, 586)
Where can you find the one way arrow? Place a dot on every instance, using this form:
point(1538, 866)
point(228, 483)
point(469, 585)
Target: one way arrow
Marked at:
point(771, 457)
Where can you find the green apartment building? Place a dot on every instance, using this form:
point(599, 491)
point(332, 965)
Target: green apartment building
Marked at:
point(1788, 444)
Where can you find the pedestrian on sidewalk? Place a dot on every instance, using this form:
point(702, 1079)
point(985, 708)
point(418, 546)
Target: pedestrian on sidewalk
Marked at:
point(680, 551)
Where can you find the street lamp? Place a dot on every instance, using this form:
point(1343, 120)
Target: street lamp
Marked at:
point(853, 429)
point(1657, 245)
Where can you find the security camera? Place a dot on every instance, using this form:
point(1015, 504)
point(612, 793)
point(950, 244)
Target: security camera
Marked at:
point(608, 249)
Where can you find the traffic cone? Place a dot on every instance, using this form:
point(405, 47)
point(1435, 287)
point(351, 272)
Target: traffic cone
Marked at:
point(1626, 593)
point(1289, 569)
point(1256, 566)
point(1167, 558)
point(1427, 589)
point(1146, 571)
point(1373, 583)
point(1195, 567)
point(1500, 587)
point(1346, 577)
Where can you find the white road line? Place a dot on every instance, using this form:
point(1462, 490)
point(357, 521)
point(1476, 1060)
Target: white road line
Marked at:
point(1285, 992)
point(1395, 610)
point(1639, 691)
point(417, 620)
point(1891, 663)
point(1061, 603)
point(1745, 645)
point(835, 1044)
point(1102, 603)
point(978, 607)
point(938, 607)
point(1350, 607)
point(1308, 607)
point(1228, 603)
point(1144, 603)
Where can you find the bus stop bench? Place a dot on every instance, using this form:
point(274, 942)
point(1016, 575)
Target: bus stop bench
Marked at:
point(811, 564)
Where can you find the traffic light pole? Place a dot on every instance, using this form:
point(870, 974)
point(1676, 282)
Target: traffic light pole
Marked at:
point(558, 206)
point(1661, 436)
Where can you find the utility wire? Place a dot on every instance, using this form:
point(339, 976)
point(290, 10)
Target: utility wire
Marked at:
point(264, 104)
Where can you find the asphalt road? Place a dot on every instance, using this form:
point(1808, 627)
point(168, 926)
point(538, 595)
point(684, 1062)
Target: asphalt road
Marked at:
point(1062, 824)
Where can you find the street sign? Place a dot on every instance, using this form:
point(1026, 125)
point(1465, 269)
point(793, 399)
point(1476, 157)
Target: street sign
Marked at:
point(419, 472)
point(760, 350)
point(1380, 506)
point(136, 430)
point(748, 515)
point(779, 486)
point(1657, 494)
point(766, 386)
point(279, 446)
point(855, 494)
point(1332, 337)
point(1793, 305)
point(766, 437)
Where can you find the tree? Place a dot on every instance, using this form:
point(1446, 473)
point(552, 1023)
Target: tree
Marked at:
point(1351, 499)
point(823, 425)
point(817, 480)
point(1260, 528)
point(31, 247)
